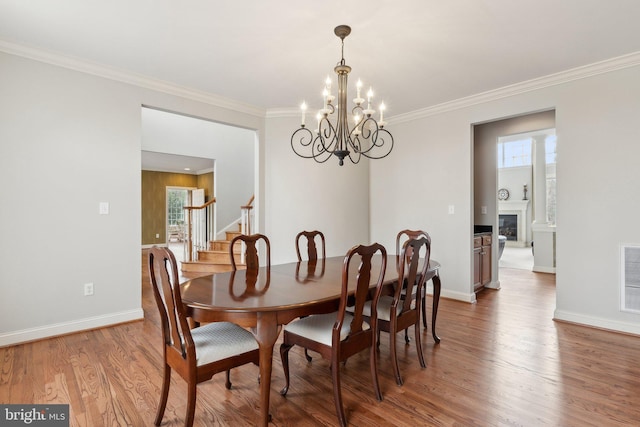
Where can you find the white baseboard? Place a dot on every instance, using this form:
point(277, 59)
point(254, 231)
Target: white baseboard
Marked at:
point(494, 284)
point(460, 296)
point(543, 269)
point(79, 325)
point(597, 322)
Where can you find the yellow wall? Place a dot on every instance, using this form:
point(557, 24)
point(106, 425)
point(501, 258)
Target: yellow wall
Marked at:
point(154, 200)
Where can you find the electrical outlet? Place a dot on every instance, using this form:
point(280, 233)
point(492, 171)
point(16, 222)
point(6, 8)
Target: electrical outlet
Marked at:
point(104, 208)
point(483, 210)
point(88, 289)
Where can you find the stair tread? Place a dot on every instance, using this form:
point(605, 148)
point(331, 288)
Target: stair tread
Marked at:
point(215, 265)
point(205, 262)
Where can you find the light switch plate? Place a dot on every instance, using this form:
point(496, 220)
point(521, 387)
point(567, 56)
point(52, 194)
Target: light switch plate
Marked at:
point(104, 208)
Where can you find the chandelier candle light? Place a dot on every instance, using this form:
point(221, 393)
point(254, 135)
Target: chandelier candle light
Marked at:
point(366, 138)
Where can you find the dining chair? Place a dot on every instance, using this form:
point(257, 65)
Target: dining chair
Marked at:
point(251, 259)
point(339, 335)
point(195, 354)
point(402, 237)
point(312, 257)
point(312, 250)
point(402, 310)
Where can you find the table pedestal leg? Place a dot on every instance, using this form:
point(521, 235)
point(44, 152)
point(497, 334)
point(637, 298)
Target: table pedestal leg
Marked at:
point(266, 334)
point(437, 285)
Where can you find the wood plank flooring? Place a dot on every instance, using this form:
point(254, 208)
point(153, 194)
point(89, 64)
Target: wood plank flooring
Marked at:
point(502, 362)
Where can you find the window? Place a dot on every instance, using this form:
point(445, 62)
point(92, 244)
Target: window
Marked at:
point(550, 164)
point(513, 154)
point(517, 151)
point(550, 149)
point(176, 199)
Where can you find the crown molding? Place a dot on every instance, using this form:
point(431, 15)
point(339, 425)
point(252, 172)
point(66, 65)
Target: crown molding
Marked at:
point(602, 67)
point(99, 70)
point(275, 113)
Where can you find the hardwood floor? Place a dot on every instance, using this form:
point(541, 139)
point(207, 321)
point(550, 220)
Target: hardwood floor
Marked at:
point(502, 362)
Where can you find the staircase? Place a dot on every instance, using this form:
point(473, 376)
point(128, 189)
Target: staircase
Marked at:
point(216, 258)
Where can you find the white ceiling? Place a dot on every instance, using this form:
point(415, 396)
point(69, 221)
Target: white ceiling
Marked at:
point(274, 54)
point(163, 162)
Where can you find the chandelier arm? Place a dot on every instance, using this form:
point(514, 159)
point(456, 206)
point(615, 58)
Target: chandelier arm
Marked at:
point(325, 141)
point(302, 137)
point(304, 144)
point(323, 154)
point(382, 141)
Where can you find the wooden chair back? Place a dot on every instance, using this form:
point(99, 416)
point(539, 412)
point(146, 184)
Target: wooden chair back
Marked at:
point(176, 333)
point(312, 250)
point(408, 299)
point(412, 278)
point(251, 258)
point(356, 342)
point(405, 235)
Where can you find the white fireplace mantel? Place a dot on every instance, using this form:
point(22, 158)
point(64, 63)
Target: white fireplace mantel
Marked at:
point(518, 208)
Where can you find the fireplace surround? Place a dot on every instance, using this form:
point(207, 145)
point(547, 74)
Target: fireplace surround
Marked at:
point(513, 221)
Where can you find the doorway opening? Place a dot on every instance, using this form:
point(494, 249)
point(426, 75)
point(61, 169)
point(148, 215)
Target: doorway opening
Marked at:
point(229, 166)
point(507, 180)
point(177, 199)
point(526, 195)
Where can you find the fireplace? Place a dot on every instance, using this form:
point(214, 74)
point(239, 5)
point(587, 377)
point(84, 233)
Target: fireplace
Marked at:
point(513, 219)
point(508, 226)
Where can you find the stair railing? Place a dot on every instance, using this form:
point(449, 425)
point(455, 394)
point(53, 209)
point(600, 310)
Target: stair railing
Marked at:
point(245, 223)
point(199, 229)
point(245, 217)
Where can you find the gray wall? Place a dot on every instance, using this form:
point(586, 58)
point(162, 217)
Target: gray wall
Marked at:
point(72, 140)
point(597, 205)
point(68, 141)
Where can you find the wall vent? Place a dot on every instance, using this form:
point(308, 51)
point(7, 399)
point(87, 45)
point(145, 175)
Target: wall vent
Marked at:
point(630, 274)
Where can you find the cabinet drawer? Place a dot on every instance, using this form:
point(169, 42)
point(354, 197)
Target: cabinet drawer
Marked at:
point(477, 242)
point(486, 240)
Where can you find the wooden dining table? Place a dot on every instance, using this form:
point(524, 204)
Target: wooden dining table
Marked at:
point(276, 296)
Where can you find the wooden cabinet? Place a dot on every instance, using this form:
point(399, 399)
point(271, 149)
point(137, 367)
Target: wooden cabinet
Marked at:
point(477, 263)
point(481, 261)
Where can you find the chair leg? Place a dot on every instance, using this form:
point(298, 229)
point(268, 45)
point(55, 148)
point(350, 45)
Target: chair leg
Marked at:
point(227, 383)
point(306, 355)
point(337, 391)
point(191, 404)
point(419, 344)
point(166, 380)
point(374, 373)
point(284, 356)
point(424, 307)
point(394, 357)
point(406, 336)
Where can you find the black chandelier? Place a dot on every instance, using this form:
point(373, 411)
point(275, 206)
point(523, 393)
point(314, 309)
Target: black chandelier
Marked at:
point(366, 138)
